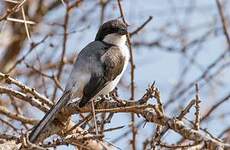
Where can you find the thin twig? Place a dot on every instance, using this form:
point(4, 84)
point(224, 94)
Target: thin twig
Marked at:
point(20, 21)
point(141, 27)
point(94, 117)
point(215, 106)
point(64, 44)
point(26, 89)
point(197, 106)
point(223, 21)
point(26, 26)
point(12, 1)
point(32, 47)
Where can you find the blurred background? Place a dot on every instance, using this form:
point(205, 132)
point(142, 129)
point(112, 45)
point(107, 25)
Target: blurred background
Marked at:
point(185, 43)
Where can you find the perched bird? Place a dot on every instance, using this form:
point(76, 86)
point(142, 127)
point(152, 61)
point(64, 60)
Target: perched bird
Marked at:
point(97, 70)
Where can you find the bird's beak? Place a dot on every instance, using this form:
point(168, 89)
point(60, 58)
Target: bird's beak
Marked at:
point(123, 31)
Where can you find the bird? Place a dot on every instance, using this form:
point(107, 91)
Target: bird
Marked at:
point(96, 71)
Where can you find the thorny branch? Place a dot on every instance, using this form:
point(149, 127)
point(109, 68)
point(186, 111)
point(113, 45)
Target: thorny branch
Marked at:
point(147, 111)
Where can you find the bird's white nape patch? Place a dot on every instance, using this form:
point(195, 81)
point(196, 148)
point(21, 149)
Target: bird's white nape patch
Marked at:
point(115, 38)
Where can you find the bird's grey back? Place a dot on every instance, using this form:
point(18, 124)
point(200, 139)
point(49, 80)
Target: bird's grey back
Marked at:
point(87, 63)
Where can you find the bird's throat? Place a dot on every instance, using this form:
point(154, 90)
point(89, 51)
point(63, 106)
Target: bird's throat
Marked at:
point(115, 39)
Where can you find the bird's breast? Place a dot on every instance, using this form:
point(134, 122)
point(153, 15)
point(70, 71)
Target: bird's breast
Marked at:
point(125, 52)
point(110, 86)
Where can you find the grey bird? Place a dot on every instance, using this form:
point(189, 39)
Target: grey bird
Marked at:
point(97, 71)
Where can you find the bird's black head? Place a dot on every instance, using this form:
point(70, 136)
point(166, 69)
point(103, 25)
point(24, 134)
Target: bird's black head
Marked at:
point(112, 26)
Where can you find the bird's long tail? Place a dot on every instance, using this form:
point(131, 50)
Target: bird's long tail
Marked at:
point(49, 117)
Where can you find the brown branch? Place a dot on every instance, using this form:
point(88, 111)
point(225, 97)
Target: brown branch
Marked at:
point(150, 115)
point(179, 127)
point(198, 145)
point(13, 10)
point(223, 21)
point(24, 97)
point(17, 117)
point(26, 89)
point(148, 111)
point(77, 140)
point(180, 117)
point(197, 113)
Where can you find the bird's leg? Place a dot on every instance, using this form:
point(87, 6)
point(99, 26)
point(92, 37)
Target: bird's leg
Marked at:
point(109, 118)
point(114, 92)
point(94, 117)
point(115, 97)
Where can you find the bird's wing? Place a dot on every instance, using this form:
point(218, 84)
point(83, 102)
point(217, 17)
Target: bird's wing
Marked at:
point(111, 65)
point(87, 64)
